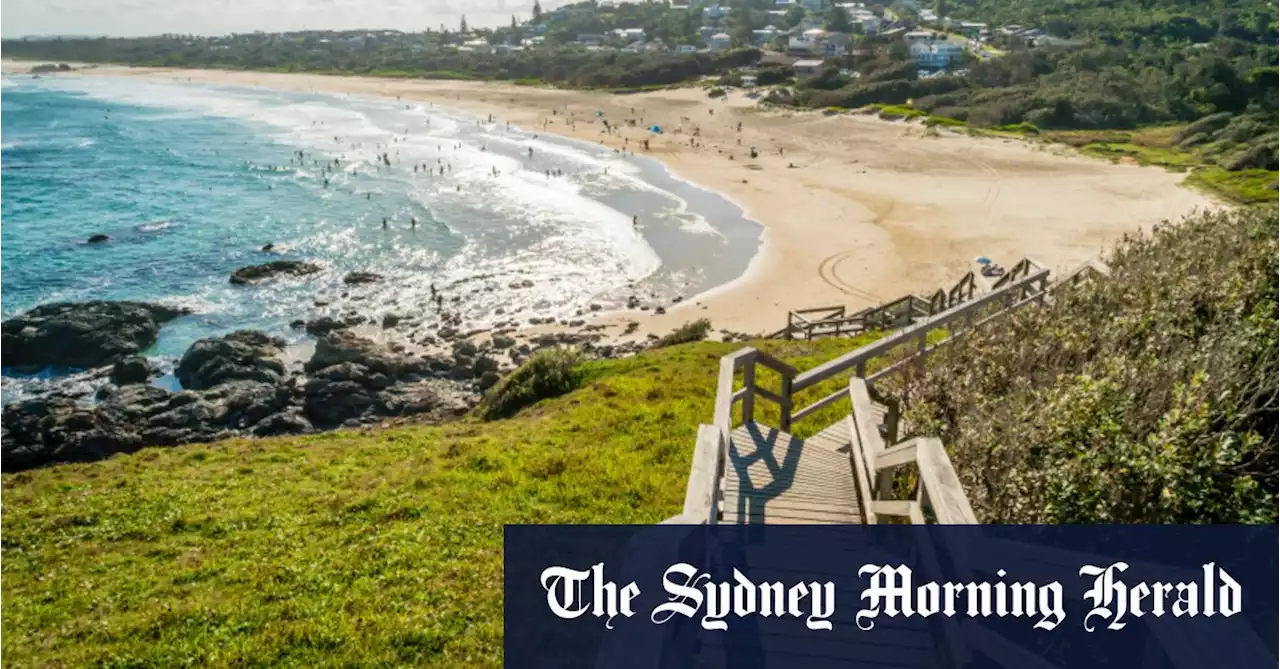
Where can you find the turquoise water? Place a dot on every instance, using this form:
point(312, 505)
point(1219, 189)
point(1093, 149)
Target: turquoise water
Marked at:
point(191, 181)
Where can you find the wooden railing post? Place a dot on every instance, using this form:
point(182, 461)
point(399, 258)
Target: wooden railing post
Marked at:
point(749, 399)
point(784, 411)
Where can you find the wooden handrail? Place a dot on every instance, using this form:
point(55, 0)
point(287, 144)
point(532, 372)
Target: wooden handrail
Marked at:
point(831, 368)
point(939, 485)
point(702, 494)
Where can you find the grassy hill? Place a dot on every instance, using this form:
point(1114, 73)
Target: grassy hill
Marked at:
point(370, 548)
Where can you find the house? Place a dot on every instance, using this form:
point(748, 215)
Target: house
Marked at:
point(807, 68)
point(808, 43)
point(655, 46)
point(972, 30)
point(918, 36)
point(592, 39)
point(634, 47)
point(935, 55)
point(749, 81)
point(763, 35)
point(705, 32)
point(835, 44)
point(477, 45)
point(713, 12)
point(686, 48)
point(928, 15)
point(813, 5)
point(719, 42)
point(630, 34)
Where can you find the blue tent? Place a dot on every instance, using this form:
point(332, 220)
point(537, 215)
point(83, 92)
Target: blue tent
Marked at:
point(656, 128)
point(983, 260)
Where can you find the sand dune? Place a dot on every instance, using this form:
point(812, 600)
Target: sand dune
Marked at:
point(856, 210)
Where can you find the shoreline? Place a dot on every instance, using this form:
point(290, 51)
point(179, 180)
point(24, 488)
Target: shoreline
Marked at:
point(868, 210)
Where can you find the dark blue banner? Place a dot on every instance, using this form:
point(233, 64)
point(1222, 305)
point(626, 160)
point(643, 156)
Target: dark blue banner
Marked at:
point(1019, 597)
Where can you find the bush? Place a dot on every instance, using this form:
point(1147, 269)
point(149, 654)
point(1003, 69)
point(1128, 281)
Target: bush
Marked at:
point(548, 373)
point(716, 92)
point(1145, 397)
point(689, 332)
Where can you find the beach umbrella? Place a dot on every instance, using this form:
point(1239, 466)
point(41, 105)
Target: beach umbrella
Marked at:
point(982, 260)
point(655, 128)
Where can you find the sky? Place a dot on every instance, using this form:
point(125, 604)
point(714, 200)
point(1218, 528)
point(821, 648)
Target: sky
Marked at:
point(132, 18)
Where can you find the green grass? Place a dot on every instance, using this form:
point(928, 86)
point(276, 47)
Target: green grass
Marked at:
point(893, 112)
point(1242, 187)
point(378, 547)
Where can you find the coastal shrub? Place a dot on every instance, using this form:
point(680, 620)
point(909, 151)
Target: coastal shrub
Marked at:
point(1144, 397)
point(689, 332)
point(1207, 125)
point(548, 373)
point(716, 92)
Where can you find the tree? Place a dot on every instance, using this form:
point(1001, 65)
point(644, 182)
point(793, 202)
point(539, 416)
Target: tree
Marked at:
point(537, 11)
point(794, 16)
point(838, 20)
point(514, 26)
point(462, 25)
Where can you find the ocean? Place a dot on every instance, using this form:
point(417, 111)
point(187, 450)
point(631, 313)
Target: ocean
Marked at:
point(191, 181)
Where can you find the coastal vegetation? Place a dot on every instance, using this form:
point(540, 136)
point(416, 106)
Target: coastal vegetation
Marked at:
point(1146, 397)
point(355, 547)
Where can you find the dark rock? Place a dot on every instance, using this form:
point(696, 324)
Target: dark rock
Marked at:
point(677, 299)
point(324, 325)
point(354, 278)
point(464, 348)
point(242, 355)
point(290, 421)
point(137, 402)
point(633, 302)
point(333, 402)
point(45, 430)
point(81, 334)
point(447, 333)
point(268, 247)
point(344, 346)
point(577, 323)
point(435, 398)
point(488, 380)
point(390, 320)
point(351, 371)
point(595, 307)
point(255, 273)
point(658, 311)
point(242, 404)
point(98, 238)
point(501, 341)
point(298, 324)
point(526, 284)
point(483, 365)
point(133, 369)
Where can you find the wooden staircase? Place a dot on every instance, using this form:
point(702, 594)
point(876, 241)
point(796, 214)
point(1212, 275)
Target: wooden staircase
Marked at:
point(748, 472)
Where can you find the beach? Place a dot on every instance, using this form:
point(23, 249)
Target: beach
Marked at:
point(855, 211)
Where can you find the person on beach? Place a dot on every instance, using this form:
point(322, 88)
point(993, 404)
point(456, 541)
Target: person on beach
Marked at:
point(635, 221)
point(384, 222)
point(413, 222)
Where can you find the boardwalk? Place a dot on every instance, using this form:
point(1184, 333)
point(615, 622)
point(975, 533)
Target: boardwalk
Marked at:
point(773, 477)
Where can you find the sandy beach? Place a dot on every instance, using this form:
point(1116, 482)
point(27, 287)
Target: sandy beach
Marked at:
point(856, 210)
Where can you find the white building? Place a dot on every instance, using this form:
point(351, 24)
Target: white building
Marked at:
point(807, 68)
point(719, 42)
point(935, 55)
point(713, 12)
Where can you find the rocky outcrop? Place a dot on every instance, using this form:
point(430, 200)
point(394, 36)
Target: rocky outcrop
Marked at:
point(244, 355)
point(132, 369)
point(355, 278)
point(256, 273)
point(81, 334)
point(98, 238)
